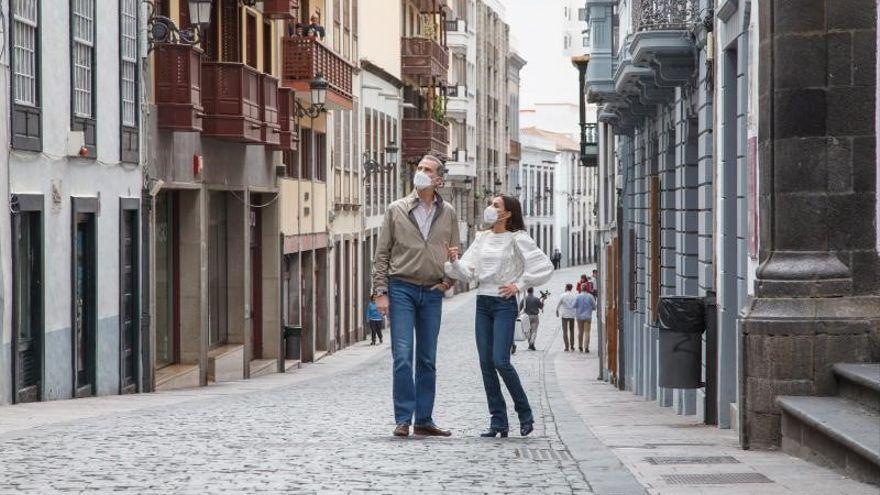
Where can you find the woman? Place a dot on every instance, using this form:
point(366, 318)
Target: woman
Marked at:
point(505, 261)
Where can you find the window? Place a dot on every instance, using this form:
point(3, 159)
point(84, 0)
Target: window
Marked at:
point(582, 14)
point(586, 42)
point(320, 157)
point(82, 48)
point(83, 32)
point(25, 61)
point(128, 87)
point(251, 48)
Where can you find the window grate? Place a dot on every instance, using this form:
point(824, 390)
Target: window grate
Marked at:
point(542, 454)
point(692, 460)
point(715, 479)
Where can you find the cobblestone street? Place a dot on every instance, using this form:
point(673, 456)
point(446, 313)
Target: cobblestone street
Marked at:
point(316, 430)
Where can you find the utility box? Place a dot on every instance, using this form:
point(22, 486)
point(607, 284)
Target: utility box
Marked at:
point(682, 323)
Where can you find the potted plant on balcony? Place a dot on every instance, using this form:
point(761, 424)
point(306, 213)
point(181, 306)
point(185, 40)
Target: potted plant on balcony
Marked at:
point(438, 112)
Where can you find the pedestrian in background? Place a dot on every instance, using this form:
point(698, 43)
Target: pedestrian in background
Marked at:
point(585, 304)
point(408, 282)
point(532, 307)
point(595, 290)
point(374, 317)
point(505, 261)
point(565, 309)
point(556, 258)
point(583, 284)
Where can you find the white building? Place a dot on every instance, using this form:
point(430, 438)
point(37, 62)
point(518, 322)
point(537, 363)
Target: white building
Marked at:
point(71, 295)
point(575, 30)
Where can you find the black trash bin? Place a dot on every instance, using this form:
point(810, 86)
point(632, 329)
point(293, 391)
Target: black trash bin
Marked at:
point(682, 323)
point(292, 341)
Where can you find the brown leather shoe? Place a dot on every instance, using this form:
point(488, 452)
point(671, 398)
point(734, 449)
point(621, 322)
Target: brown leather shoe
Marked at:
point(402, 430)
point(431, 431)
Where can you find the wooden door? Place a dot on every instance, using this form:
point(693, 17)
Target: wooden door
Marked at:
point(27, 305)
point(84, 304)
point(256, 283)
point(129, 296)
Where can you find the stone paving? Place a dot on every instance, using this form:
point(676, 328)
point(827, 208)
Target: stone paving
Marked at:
point(329, 433)
point(326, 428)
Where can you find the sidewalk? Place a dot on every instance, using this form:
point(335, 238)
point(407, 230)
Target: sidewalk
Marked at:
point(639, 432)
point(28, 416)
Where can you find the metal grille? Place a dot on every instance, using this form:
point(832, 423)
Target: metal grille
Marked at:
point(715, 479)
point(542, 454)
point(663, 14)
point(24, 52)
point(692, 460)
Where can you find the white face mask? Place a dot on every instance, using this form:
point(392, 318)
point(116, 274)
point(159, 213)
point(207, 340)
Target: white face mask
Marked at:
point(422, 181)
point(490, 215)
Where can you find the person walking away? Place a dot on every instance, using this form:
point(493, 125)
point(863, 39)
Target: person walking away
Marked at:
point(582, 283)
point(595, 281)
point(505, 261)
point(556, 259)
point(532, 307)
point(409, 282)
point(375, 319)
point(585, 304)
point(565, 310)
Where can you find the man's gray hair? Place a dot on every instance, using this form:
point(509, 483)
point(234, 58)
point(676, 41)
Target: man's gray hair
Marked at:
point(438, 164)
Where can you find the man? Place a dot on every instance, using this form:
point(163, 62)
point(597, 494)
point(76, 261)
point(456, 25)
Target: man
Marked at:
point(409, 282)
point(584, 306)
point(556, 259)
point(532, 306)
point(595, 290)
point(565, 309)
point(312, 30)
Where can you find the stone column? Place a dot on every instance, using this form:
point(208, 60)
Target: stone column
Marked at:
point(817, 294)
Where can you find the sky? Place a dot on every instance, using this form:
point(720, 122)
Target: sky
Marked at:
point(548, 76)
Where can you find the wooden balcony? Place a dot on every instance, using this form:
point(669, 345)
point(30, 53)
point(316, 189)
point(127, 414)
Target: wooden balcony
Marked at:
point(179, 87)
point(270, 127)
point(423, 136)
point(424, 61)
point(306, 57)
point(280, 9)
point(231, 97)
point(288, 135)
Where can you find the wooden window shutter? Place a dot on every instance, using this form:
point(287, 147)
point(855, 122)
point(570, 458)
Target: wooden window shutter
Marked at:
point(633, 271)
point(655, 246)
point(231, 36)
point(267, 47)
point(251, 41)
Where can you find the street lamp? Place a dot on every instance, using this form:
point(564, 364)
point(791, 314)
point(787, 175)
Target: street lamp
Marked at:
point(318, 94)
point(371, 166)
point(161, 29)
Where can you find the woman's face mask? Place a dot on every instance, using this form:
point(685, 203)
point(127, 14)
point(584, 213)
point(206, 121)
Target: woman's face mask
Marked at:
point(490, 215)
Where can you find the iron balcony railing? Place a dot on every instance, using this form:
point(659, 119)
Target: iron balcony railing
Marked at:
point(652, 15)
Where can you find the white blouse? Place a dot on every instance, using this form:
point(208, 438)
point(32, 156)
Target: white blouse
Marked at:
point(494, 260)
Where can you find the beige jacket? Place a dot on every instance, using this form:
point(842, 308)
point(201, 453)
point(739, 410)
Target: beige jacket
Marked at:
point(404, 254)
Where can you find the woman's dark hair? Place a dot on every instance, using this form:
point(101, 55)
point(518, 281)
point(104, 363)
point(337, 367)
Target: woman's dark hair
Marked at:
point(515, 222)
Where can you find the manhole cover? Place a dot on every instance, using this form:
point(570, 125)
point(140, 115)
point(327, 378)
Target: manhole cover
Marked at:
point(542, 454)
point(715, 479)
point(692, 460)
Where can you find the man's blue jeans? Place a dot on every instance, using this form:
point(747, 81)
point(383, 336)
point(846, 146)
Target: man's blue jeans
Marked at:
point(496, 317)
point(415, 324)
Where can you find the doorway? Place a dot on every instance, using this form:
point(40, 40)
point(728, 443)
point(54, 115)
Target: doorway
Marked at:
point(84, 290)
point(256, 246)
point(27, 299)
point(218, 271)
point(129, 295)
point(167, 280)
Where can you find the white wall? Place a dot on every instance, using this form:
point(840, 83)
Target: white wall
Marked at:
point(379, 34)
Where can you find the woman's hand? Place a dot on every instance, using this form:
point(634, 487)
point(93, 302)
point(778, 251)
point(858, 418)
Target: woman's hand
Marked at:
point(507, 291)
point(452, 253)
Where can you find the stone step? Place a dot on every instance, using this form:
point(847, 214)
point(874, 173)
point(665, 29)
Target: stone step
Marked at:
point(859, 383)
point(261, 367)
point(833, 431)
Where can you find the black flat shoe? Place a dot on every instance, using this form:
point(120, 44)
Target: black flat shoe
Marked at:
point(525, 429)
point(492, 432)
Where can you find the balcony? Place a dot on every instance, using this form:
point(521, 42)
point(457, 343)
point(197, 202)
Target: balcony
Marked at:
point(458, 39)
point(423, 136)
point(304, 58)
point(424, 61)
point(231, 98)
point(270, 127)
point(460, 166)
point(179, 87)
point(514, 152)
point(457, 103)
point(280, 9)
point(287, 134)
point(661, 38)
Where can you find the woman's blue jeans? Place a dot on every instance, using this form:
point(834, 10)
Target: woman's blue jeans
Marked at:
point(496, 317)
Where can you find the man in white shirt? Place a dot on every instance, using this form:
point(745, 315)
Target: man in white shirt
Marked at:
point(565, 309)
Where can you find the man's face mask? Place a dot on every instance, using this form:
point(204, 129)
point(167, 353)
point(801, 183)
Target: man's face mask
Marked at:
point(421, 180)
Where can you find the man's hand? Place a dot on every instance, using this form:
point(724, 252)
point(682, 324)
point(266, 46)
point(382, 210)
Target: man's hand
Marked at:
point(382, 304)
point(442, 287)
point(508, 290)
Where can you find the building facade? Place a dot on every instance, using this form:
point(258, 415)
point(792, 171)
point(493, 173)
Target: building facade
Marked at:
point(707, 190)
point(71, 240)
